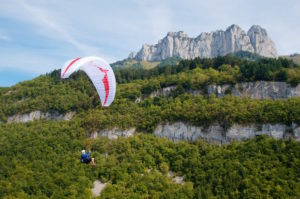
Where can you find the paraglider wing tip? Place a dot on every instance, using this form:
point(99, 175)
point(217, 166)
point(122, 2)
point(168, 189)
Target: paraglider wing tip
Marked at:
point(70, 63)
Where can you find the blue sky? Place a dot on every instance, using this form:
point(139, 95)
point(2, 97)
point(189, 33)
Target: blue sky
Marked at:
point(38, 36)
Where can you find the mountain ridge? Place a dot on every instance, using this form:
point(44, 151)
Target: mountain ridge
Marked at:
point(208, 45)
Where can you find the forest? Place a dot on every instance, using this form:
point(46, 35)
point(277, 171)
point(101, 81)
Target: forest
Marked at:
point(250, 69)
point(40, 159)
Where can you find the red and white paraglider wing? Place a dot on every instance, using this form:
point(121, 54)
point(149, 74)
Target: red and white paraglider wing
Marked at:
point(100, 73)
point(103, 79)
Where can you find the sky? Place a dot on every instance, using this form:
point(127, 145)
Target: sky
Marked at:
point(38, 36)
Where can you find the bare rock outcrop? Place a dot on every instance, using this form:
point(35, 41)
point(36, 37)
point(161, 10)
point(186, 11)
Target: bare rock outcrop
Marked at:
point(38, 115)
point(181, 131)
point(256, 90)
point(217, 134)
point(261, 43)
point(253, 90)
point(114, 133)
point(163, 91)
point(218, 43)
point(98, 187)
point(296, 131)
point(213, 133)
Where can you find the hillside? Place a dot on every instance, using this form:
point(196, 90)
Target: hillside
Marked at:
point(135, 64)
point(132, 63)
point(45, 161)
point(44, 154)
point(246, 55)
point(295, 58)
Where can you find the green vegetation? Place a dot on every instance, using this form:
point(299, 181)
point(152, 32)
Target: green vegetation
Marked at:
point(294, 57)
point(145, 65)
point(246, 55)
point(267, 69)
point(146, 115)
point(131, 63)
point(78, 94)
point(41, 159)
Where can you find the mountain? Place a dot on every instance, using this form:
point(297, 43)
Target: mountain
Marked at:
point(217, 43)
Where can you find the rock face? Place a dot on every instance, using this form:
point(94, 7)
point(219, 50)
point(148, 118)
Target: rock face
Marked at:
point(261, 43)
point(217, 134)
point(296, 131)
point(98, 187)
point(180, 131)
point(132, 55)
point(176, 179)
point(163, 91)
point(37, 115)
point(114, 133)
point(214, 133)
point(254, 90)
point(233, 39)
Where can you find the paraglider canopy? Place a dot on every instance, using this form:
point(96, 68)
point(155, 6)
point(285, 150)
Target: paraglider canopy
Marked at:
point(100, 73)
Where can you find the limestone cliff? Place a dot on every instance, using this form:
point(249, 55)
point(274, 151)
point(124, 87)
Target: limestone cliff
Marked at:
point(254, 90)
point(233, 39)
point(213, 133)
point(217, 134)
point(113, 133)
point(38, 115)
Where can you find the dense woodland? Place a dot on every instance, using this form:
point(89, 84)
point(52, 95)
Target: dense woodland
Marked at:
point(41, 159)
point(268, 69)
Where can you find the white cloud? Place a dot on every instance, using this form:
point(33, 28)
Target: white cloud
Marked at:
point(44, 19)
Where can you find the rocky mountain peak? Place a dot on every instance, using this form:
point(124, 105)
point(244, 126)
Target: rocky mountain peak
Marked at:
point(260, 41)
point(132, 55)
point(217, 43)
point(256, 29)
point(234, 28)
point(177, 34)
